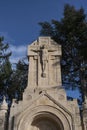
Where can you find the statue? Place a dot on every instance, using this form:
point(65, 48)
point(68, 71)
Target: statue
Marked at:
point(44, 60)
point(43, 52)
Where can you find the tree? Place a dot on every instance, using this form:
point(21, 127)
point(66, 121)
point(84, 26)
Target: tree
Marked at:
point(5, 66)
point(12, 81)
point(18, 81)
point(71, 33)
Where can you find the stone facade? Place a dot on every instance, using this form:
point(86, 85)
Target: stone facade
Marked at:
point(3, 115)
point(44, 105)
point(44, 64)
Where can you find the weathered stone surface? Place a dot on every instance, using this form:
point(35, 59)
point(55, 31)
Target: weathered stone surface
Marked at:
point(44, 63)
point(44, 105)
point(3, 114)
point(84, 114)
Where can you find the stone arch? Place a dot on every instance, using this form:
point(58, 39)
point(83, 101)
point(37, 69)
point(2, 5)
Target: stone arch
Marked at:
point(32, 119)
point(46, 121)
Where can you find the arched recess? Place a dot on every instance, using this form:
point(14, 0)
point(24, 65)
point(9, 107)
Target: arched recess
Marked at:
point(45, 121)
point(43, 118)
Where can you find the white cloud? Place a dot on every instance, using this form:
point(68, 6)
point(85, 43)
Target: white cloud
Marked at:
point(7, 37)
point(18, 53)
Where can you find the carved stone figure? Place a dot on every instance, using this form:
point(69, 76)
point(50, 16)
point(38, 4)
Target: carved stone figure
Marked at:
point(44, 59)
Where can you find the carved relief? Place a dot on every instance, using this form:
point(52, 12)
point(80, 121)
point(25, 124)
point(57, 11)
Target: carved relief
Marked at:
point(45, 64)
point(44, 59)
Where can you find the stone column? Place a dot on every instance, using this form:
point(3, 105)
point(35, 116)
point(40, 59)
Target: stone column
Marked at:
point(3, 115)
point(84, 114)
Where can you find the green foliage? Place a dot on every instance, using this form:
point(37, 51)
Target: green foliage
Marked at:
point(5, 66)
point(71, 33)
point(18, 81)
point(12, 81)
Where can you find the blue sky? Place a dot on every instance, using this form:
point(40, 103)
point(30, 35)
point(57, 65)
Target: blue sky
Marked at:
point(19, 20)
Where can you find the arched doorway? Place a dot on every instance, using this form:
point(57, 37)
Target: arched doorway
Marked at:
point(43, 118)
point(46, 122)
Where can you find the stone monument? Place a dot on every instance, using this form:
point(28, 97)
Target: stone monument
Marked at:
point(44, 64)
point(45, 105)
